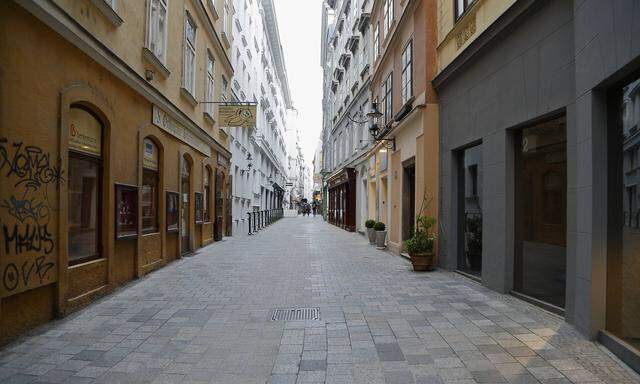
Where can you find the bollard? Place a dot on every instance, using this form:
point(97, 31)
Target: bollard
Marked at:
point(249, 214)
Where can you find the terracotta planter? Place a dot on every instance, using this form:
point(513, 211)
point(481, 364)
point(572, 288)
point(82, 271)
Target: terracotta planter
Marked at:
point(421, 261)
point(371, 234)
point(381, 236)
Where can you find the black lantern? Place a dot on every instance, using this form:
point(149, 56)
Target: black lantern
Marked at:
point(373, 116)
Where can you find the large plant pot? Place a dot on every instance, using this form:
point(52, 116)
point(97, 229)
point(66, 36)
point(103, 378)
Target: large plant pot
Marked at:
point(421, 261)
point(371, 234)
point(381, 237)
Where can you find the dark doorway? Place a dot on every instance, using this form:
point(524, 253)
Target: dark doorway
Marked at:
point(408, 198)
point(541, 195)
point(470, 210)
point(185, 243)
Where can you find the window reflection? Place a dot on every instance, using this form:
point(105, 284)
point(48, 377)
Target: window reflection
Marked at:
point(471, 208)
point(623, 259)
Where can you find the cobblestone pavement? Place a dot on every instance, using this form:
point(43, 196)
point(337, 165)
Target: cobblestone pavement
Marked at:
point(206, 319)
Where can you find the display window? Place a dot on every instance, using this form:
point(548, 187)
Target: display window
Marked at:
point(84, 183)
point(150, 187)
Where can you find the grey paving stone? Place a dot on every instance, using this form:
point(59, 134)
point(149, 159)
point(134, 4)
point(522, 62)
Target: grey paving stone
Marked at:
point(206, 319)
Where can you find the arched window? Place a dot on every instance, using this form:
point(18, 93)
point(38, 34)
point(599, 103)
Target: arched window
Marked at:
point(84, 186)
point(150, 185)
point(207, 193)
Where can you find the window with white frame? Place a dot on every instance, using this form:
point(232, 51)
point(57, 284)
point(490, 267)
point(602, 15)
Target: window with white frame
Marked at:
point(386, 91)
point(407, 68)
point(388, 16)
point(223, 90)
point(189, 70)
point(157, 28)
point(208, 85)
point(461, 7)
point(226, 17)
point(376, 41)
point(111, 4)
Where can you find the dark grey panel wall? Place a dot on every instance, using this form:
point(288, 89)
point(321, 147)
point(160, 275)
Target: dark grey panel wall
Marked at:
point(525, 74)
point(562, 56)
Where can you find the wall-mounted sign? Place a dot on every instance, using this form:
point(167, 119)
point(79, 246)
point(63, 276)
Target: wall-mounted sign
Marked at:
point(466, 31)
point(237, 115)
point(162, 120)
point(150, 156)
point(85, 132)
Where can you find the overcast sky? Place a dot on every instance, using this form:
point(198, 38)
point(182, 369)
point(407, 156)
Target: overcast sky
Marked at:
point(299, 25)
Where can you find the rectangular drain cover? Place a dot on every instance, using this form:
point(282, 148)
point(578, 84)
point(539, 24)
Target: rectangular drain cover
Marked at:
point(296, 314)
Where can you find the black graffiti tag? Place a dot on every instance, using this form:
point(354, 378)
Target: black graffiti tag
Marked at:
point(11, 276)
point(30, 165)
point(30, 238)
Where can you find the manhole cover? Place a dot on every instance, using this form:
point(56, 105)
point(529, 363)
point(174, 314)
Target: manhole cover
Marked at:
point(296, 314)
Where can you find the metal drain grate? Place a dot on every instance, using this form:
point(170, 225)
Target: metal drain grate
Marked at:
point(295, 314)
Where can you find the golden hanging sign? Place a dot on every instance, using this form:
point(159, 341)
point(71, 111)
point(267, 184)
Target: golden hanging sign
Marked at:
point(237, 115)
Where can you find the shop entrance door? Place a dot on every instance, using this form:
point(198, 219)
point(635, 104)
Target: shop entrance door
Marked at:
point(185, 244)
point(541, 213)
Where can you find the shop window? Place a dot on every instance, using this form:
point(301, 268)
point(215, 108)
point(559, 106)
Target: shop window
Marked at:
point(207, 194)
point(84, 186)
point(470, 210)
point(623, 255)
point(150, 186)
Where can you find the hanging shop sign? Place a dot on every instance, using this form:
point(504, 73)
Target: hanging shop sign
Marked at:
point(85, 132)
point(168, 124)
point(237, 115)
point(150, 158)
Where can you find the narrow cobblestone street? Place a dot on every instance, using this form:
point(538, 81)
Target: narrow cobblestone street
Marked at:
point(207, 319)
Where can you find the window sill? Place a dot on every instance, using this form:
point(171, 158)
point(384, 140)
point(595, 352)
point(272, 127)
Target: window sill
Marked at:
point(225, 40)
point(109, 13)
point(152, 59)
point(214, 11)
point(208, 118)
point(188, 96)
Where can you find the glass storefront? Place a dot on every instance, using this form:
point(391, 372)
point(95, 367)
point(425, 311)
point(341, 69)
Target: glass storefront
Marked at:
point(470, 208)
point(541, 212)
point(623, 257)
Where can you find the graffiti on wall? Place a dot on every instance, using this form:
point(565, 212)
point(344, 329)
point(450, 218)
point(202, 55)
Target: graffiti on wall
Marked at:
point(27, 176)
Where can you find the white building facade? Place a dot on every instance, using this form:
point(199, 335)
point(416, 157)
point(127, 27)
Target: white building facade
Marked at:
point(347, 45)
point(259, 154)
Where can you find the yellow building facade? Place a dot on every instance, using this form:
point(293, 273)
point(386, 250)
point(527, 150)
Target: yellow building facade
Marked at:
point(111, 165)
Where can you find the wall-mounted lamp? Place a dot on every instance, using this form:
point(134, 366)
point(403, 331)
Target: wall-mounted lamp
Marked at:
point(373, 116)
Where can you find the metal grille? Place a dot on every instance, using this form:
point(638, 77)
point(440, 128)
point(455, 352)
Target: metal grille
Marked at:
point(296, 314)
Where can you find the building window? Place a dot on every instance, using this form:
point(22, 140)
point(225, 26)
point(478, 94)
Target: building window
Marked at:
point(150, 184)
point(84, 186)
point(223, 90)
point(208, 85)
point(189, 73)
point(388, 16)
point(158, 28)
point(376, 41)
point(111, 4)
point(461, 7)
point(387, 93)
point(207, 194)
point(226, 17)
point(407, 76)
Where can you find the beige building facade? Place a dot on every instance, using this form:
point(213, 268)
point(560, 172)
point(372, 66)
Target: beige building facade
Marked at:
point(112, 163)
point(403, 171)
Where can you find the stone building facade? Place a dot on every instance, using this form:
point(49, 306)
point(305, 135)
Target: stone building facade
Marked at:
point(110, 164)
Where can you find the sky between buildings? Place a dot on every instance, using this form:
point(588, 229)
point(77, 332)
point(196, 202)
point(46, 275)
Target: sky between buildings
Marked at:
point(299, 25)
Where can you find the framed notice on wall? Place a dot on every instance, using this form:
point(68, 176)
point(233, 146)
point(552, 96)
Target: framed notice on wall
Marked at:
point(173, 201)
point(126, 211)
point(199, 206)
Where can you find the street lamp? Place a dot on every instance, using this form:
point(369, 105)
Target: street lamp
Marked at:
point(373, 117)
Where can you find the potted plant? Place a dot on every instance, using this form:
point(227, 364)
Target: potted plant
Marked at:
point(420, 244)
point(371, 234)
point(381, 234)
